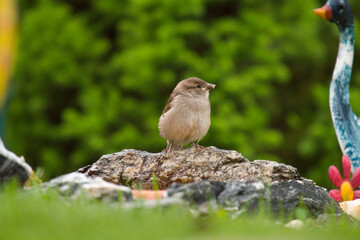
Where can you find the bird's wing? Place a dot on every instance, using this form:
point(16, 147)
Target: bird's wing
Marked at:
point(171, 99)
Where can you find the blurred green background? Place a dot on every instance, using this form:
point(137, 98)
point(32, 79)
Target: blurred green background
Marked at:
point(92, 77)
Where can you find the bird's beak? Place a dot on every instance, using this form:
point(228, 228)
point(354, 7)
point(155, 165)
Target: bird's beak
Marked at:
point(210, 86)
point(325, 12)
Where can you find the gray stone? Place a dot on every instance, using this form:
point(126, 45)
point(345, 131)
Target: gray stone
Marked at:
point(163, 203)
point(198, 193)
point(212, 178)
point(135, 168)
point(74, 185)
point(281, 198)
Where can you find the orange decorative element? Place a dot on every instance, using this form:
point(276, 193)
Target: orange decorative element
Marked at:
point(346, 191)
point(325, 12)
point(148, 194)
point(8, 39)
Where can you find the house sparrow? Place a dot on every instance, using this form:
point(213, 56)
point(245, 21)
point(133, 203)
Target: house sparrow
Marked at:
point(186, 117)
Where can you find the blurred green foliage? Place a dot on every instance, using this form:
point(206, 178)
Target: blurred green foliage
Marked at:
point(94, 76)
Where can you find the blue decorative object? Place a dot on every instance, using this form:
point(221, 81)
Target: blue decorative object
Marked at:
point(346, 123)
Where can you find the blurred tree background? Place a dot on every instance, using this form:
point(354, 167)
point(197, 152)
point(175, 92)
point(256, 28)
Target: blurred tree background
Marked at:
point(92, 77)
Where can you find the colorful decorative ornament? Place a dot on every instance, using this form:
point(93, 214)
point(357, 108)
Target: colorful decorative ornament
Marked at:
point(346, 185)
point(346, 123)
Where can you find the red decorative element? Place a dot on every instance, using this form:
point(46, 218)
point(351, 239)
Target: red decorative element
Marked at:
point(336, 179)
point(335, 194)
point(346, 167)
point(355, 180)
point(335, 176)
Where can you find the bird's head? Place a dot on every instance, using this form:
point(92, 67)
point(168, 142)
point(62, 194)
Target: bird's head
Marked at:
point(194, 87)
point(336, 11)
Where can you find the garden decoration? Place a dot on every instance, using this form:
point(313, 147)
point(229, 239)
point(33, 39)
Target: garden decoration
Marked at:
point(346, 123)
point(10, 165)
point(346, 185)
point(7, 48)
point(7, 44)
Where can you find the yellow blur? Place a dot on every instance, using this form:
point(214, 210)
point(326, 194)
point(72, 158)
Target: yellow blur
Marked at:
point(8, 39)
point(347, 192)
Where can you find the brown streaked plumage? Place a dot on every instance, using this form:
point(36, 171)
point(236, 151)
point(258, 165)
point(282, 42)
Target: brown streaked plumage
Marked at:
point(186, 116)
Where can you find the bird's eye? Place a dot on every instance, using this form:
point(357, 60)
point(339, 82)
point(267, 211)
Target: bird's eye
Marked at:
point(198, 86)
point(342, 7)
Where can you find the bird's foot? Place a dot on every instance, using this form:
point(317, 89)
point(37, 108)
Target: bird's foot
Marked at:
point(196, 145)
point(171, 149)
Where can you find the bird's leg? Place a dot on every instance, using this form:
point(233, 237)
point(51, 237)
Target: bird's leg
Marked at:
point(168, 146)
point(171, 146)
point(175, 147)
point(197, 144)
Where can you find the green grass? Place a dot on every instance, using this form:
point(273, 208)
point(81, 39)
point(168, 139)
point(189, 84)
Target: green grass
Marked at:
point(37, 215)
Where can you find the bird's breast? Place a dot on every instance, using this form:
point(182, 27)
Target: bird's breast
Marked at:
point(187, 120)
